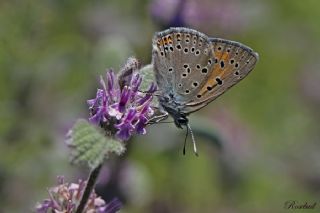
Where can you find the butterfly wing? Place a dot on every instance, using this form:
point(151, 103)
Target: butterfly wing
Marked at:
point(233, 61)
point(182, 59)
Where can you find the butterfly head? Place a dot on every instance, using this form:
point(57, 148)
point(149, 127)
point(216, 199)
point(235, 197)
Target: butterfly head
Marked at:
point(181, 120)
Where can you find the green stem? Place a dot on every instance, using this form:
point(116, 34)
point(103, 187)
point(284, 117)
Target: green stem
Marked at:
point(89, 187)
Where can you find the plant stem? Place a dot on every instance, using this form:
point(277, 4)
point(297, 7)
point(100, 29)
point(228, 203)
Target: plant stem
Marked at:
point(89, 187)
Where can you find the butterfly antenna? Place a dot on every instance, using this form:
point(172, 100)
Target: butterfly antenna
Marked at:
point(185, 142)
point(193, 141)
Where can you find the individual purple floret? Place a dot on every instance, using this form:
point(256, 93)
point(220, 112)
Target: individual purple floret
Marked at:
point(66, 196)
point(113, 206)
point(124, 108)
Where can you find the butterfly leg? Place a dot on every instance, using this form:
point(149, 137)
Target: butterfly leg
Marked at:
point(157, 118)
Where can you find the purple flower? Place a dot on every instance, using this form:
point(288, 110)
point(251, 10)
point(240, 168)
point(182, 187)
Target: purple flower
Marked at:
point(113, 206)
point(98, 106)
point(66, 196)
point(140, 125)
point(125, 110)
point(126, 127)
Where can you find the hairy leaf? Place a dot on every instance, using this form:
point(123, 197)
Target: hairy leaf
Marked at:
point(90, 145)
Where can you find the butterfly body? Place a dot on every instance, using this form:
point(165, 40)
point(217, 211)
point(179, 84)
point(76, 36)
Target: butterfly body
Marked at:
point(191, 69)
point(174, 108)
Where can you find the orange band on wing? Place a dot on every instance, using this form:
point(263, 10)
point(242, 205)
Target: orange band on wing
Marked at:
point(221, 55)
point(211, 82)
point(164, 41)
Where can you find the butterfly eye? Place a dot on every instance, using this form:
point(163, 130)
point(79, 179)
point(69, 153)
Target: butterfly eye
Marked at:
point(182, 120)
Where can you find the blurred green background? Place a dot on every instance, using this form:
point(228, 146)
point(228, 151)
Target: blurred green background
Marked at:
point(268, 126)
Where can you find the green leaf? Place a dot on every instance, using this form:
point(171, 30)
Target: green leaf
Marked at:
point(90, 145)
point(147, 74)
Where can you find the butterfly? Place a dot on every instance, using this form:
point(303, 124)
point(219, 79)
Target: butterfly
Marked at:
point(191, 70)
